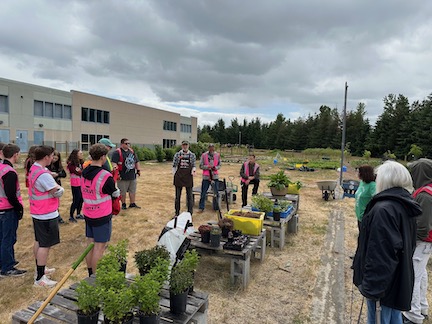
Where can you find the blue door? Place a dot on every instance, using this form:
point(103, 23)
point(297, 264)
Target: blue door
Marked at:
point(4, 136)
point(38, 137)
point(22, 140)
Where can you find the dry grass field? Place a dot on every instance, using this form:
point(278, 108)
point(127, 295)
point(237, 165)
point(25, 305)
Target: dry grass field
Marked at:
point(273, 296)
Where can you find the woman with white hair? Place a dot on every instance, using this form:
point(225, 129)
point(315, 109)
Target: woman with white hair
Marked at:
point(383, 268)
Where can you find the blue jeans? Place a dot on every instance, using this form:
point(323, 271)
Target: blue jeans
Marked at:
point(388, 315)
point(204, 188)
point(8, 237)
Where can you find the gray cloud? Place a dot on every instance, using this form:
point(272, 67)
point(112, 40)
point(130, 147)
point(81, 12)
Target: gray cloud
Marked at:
point(224, 55)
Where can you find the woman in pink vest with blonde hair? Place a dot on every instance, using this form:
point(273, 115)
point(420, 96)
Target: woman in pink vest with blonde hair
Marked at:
point(75, 166)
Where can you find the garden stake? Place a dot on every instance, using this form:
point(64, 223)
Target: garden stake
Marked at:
point(226, 194)
point(60, 284)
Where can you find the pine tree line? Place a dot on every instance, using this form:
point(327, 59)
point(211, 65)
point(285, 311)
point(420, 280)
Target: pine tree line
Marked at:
point(400, 128)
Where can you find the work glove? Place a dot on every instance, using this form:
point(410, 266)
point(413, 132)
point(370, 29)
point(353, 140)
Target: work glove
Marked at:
point(59, 192)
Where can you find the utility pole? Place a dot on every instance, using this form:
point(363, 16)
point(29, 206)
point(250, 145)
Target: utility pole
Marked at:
point(239, 138)
point(343, 134)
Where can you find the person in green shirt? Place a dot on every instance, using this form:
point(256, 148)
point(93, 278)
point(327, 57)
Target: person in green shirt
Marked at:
point(365, 191)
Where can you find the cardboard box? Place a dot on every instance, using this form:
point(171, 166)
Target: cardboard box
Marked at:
point(248, 225)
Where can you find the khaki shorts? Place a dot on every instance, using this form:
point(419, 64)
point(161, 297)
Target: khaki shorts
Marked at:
point(127, 186)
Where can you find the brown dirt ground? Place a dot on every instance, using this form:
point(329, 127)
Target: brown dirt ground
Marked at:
point(273, 296)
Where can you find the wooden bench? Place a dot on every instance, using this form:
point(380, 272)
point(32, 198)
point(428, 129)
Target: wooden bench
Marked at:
point(62, 309)
point(240, 260)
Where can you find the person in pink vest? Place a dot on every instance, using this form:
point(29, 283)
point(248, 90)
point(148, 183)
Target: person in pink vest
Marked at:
point(421, 172)
point(210, 164)
point(11, 211)
point(74, 165)
point(249, 174)
point(44, 193)
point(98, 188)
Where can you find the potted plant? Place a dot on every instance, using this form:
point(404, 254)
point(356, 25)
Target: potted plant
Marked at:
point(146, 259)
point(146, 290)
point(277, 209)
point(294, 188)
point(117, 305)
point(120, 252)
point(279, 183)
point(181, 278)
point(215, 236)
point(262, 203)
point(226, 225)
point(115, 295)
point(204, 230)
point(88, 301)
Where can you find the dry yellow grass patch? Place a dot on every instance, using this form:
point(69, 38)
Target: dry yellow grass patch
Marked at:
point(273, 296)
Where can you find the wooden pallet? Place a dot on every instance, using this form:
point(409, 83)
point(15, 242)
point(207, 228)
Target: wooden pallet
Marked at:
point(62, 309)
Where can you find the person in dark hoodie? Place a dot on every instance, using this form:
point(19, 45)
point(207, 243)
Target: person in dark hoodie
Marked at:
point(383, 268)
point(98, 189)
point(421, 171)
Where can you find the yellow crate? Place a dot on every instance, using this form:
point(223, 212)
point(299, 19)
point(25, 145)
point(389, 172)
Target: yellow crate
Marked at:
point(248, 225)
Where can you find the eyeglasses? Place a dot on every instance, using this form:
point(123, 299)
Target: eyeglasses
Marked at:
point(127, 143)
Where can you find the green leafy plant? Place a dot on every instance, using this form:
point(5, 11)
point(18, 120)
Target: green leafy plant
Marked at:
point(277, 209)
point(88, 298)
point(117, 304)
point(262, 203)
point(279, 180)
point(146, 288)
point(119, 250)
point(181, 277)
point(146, 259)
point(284, 204)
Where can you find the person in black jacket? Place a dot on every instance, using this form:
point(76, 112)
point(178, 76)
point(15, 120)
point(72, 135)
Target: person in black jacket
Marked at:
point(383, 267)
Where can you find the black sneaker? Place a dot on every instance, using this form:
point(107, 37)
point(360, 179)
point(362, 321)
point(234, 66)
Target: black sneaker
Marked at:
point(124, 206)
point(133, 205)
point(79, 216)
point(406, 320)
point(73, 220)
point(13, 273)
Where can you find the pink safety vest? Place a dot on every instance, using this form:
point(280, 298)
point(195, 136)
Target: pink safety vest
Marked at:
point(41, 202)
point(75, 180)
point(206, 162)
point(427, 189)
point(4, 202)
point(96, 203)
point(246, 168)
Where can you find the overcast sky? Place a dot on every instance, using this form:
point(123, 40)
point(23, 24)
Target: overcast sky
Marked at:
point(222, 58)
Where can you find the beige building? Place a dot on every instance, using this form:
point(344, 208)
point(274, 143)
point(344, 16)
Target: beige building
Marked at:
point(31, 114)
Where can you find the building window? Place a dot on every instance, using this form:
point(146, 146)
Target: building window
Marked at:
point(49, 109)
point(170, 126)
point(38, 108)
point(88, 140)
point(99, 116)
point(94, 115)
point(84, 114)
point(168, 143)
point(185, 128)
point(106, 117)
point(4, 104)
point(58, 111)
point(67, 112)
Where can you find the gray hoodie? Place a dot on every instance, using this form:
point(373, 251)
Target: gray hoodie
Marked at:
point(421, 172)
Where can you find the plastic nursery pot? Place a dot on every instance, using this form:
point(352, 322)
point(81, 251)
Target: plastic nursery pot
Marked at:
point(149, 319)
point(276, 216)
point(88, 319)
point(205, 237)
point(215, 239)
point(178, 302)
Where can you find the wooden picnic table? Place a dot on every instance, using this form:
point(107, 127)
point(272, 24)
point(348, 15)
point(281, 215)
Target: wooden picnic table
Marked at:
point(62, 309)
point(240, 260)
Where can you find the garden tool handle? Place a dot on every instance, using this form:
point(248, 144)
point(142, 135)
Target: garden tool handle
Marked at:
point(60, 284)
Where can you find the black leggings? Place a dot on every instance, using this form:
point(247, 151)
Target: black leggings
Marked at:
point(77, 201)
